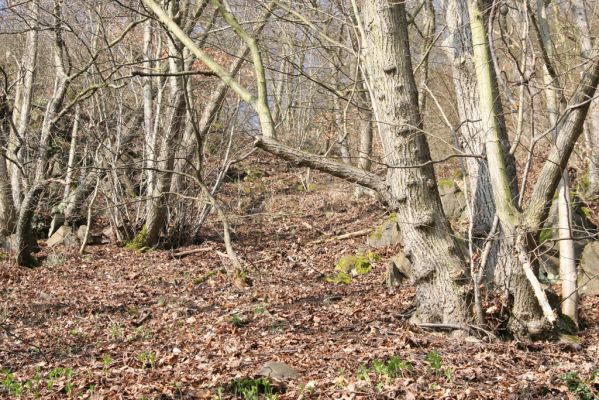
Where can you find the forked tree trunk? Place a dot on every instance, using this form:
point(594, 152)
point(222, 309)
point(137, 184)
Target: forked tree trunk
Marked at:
point(171, 138)
point(61, 84)
point(502, 266)
point(438, 268)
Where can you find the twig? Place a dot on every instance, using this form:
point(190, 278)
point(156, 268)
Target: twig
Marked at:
point(186, 253)
point(28, 343)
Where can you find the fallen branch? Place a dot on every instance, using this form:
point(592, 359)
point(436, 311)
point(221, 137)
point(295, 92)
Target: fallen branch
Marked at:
point(186, 253)
point(350, 235)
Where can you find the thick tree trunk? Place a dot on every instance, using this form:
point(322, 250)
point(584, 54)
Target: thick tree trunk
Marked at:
point(25, 240)
point(438, 269)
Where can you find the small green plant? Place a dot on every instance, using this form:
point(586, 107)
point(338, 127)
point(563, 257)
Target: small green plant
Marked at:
point(147, 360)
point(435, 364)
point(238, 320)
point(201, 279)
point(115, 332)
point(261, 310)
point(363, 373)
point(579, 387)
point(250, 389)
point(11, 385)
point(220, 393)
point(107, 361)
point(391, 369)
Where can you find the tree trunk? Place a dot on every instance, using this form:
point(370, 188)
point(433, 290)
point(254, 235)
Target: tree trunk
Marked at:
point(25, 239)
point(438, 268)
point(23, 106)
point(7, 209)
point(526, 315)
point(156, 220)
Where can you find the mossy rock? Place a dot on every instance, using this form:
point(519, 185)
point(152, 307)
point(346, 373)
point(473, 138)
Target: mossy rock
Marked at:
point(139, 241)
point(385, 235)
point(356, 265)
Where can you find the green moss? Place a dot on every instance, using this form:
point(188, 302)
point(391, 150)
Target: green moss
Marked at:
point(445, 183)
point(393, 217)
point(378, 233)
point(341, 277)
point(350, 264)
point(545, 235)
point(586, 211)
point(253, 173)
point(139, 241)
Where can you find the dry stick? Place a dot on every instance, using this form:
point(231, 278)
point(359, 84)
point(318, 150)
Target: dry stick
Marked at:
point(89, 216)
point(186, 253)
point(342, 237)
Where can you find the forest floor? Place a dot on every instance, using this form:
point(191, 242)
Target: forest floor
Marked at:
point(117, 324)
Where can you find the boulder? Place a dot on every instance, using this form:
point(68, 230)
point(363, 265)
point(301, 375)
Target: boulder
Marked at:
point(8, 244)
point(399, 268)
point(278, 371)
point(588, 281)
point(384, 235)
point(57, 222)
point(452, 198)
point(65, 235)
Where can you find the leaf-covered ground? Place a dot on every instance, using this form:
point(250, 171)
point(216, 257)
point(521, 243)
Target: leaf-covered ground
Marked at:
point(117, 324)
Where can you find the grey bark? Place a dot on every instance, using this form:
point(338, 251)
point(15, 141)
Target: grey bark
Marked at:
point(438, 268)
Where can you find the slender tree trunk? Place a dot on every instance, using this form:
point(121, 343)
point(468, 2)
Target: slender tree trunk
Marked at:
point(527, 316)
point(592, 128)
point(171, 137)
point(61, 83)
point(567, 259)
point(17, 139)
point(7, 209)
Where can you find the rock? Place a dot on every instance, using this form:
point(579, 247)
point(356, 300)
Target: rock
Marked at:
point(65, 236)
point(398, 269)
point(278, 371)
point(588, 281)
point(57, 222)
point(452, 198)
point(81, 232)
point(384, 235)
point(8, 244)
point(109, 233)
point(582, 226)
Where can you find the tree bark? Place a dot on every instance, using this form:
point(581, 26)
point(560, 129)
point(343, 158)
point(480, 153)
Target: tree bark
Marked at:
point(439, 272)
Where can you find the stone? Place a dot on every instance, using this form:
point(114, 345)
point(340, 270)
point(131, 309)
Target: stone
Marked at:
point(588, 275)
point(399, 268)
point(57, 222)
point(452, 198)
point(384, 235)
point(8, 244)
point(63, 236)
point(278, 371)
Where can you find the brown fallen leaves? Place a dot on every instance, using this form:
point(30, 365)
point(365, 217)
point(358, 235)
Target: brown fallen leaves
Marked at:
point(118, 324)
